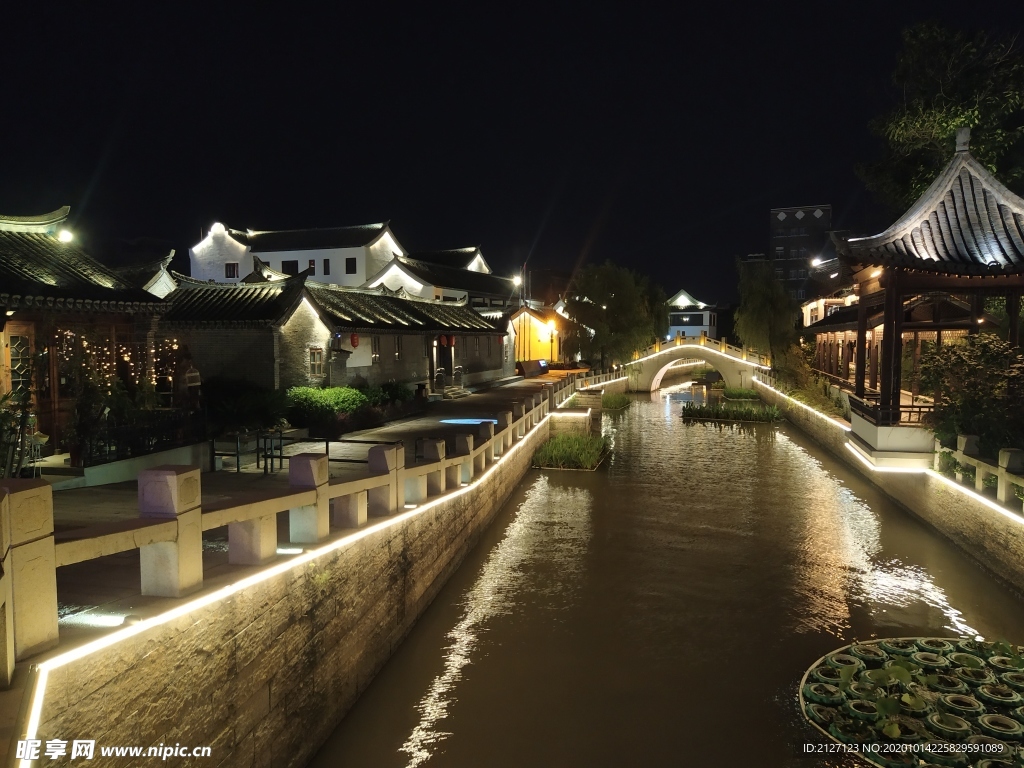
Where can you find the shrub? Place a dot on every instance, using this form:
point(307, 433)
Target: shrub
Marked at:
point(731, 412)
point(615, 401)
point(571, 452)
point(318, 408)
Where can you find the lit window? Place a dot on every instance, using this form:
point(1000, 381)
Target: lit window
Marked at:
point(231, 269)
point(327, 266)
point(316, 362)
point(398, 347)
point(350, 265)
point(375, 349)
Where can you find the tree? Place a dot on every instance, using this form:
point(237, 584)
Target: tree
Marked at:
point(616, 313)
point(946, 79)
point(766, 318)
point(980, 385)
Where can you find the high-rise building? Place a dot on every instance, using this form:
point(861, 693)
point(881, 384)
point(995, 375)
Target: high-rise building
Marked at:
point(798, 237)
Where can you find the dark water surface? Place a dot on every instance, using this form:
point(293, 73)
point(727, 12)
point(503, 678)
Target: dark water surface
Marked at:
point(661, 610)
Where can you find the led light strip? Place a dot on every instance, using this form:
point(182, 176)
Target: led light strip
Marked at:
point(43, 668)
point(806, 407)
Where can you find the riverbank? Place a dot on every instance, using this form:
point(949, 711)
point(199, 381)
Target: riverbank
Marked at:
point(262, 662)
point(992, 535)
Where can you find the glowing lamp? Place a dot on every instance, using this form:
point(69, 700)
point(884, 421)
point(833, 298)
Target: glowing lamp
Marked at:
point(65, 236)
point(517, 281)
point(815, 261)
point(876, 273)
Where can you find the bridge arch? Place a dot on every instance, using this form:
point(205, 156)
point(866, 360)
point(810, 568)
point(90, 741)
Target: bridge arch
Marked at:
point(737, 365)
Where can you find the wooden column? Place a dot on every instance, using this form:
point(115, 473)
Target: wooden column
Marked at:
point(862, 340)
point(892, 342)
point(1013, 314)
point(845, 370)
point(833, 366)
point(915, 388)
point(874, 365)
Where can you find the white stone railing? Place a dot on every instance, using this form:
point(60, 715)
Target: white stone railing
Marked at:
point(739, 353)
point(1009, 470)
point(172, 518)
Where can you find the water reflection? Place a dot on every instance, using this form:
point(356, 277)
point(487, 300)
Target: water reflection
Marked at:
point(549, 535)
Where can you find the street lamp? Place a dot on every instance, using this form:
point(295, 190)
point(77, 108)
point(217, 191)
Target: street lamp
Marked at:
point(517, 281)
point(551, 339)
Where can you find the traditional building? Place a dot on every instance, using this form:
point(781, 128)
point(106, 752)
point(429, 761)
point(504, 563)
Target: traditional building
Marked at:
point(65, 317)
point(539, 334)
point(924, 279)
point(342, 256)
point(459, 275)
point(689, 317)
point(297, 332)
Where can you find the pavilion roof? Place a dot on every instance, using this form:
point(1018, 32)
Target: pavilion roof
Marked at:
point(951, 312)
point(270, 241)
point(966, 223)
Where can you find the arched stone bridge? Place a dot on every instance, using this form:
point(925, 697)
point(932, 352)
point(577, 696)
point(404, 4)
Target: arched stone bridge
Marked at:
point(736, 364)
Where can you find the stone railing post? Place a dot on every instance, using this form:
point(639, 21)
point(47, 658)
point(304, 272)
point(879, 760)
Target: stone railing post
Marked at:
point(309, 523)
point(464, 447)
point(1011, 461)
point(967, 444)
point(383, 460)
point(504, 426)
point(518, 411)
point(30, 569)
point(172, 568)
point(485, 434)
point(435, 451)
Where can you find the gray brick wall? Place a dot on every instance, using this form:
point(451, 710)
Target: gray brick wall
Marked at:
point(303, 331)
point(234, 353)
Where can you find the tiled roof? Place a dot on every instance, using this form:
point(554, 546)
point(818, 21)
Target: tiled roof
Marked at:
point(458, 258)
point(262, 304)
point(225, 304)
point(967, 223)
point(369, 311)
point(38, 270)
point(475, 283)
point(308, 239)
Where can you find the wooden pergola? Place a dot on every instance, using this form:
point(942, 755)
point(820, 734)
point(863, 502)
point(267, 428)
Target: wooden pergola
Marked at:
point(963, 238)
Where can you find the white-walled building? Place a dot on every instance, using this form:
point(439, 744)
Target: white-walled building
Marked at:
point(342, 256)
point(689, 317)
point(456, 275)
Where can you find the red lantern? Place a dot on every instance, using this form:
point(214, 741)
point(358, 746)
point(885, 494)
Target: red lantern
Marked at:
point(354, 338)
point(443, 340)
point(451, 340)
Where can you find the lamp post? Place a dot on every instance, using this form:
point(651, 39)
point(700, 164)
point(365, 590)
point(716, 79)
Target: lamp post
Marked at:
point(551, 340)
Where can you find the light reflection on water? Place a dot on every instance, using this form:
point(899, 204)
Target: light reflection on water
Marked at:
point(698, 560)
point(551, 526)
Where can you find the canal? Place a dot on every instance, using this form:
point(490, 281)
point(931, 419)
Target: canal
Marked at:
point(661, 610)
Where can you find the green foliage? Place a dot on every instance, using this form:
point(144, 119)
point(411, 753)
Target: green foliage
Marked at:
point(946, 79)
point(237, 405)
point(571, 452)
point(625, 312)
point(980, 381)
point(614, 401)
point(312, 407)
point(388, 392)
point(740, 393)
point(766, 318)
point(731, 412)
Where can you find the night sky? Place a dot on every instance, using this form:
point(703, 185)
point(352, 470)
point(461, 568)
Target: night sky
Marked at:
point(658, 140)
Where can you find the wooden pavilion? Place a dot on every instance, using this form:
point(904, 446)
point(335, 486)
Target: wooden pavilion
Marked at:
point(925, 277)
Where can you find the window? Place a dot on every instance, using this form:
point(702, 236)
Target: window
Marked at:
point(779, 273)
point(489, 350)
point(327, 266)
point(316, 362)
point(374, 349)
point(800, 293)
point(312, 266)
point(506, 350)
point(476, 346)
point(231, 269)
point(780, 251)
point(21, 363)
point(290, 267)
point(350, 265)
point(426, 346)
point(398, 347)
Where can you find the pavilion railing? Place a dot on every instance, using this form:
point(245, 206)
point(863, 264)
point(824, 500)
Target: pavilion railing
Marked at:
point(148, 432)
point(902, 415)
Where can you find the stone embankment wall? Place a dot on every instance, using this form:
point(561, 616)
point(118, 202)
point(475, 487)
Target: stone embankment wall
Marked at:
point(264, 675)
point(995, 540)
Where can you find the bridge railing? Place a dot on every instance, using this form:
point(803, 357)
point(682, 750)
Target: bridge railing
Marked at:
point(718, 345)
